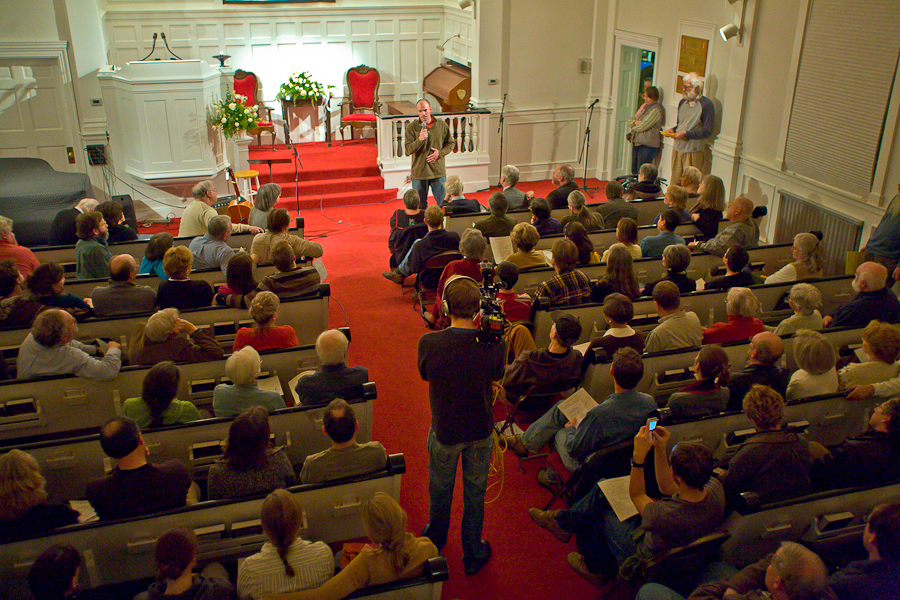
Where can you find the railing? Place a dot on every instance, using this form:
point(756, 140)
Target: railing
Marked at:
point(470, 158)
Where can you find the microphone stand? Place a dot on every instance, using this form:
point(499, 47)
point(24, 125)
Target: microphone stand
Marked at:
point(586, 149)
point(500, 131)
point(152, 49)
point(296, 161)
point(163, 36)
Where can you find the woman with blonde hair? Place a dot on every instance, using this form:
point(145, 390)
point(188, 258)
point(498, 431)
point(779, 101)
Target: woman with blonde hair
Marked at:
point(619, 276)
point(286, 562)
point(396, 554)
point(627, 235)
point(881, 343)
point(809, 258)
point(265, 335)
point(23, 506)
point(179, 291)
point(815, 356)
point(707, 212)
point(525, 237)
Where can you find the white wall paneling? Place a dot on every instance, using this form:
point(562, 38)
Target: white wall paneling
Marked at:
point(461, 49)
point(536, 141)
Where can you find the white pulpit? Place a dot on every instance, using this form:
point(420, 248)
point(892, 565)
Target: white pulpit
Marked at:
point(156, 118)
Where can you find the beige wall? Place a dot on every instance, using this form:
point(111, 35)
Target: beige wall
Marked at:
point(29, 21)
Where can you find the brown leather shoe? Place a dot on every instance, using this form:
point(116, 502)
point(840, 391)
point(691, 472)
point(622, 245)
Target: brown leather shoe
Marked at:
point(576, 561)
point(514, 443)
point(394, 276)
point(547, 520)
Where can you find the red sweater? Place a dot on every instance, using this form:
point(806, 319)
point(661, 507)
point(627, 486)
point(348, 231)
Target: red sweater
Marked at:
point(736, 329)
point(282, 336)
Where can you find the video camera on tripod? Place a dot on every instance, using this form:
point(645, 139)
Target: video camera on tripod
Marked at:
point(492, 318)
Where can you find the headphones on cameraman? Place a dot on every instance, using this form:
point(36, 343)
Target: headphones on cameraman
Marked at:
point(445, 306)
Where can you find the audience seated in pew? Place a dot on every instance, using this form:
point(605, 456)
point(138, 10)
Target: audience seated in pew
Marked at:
point(690, 180)
point(737, 274)
point(165, 336)
point(91, 252)
point(266, 197)
point(709, 393)
point(692, 506)
point(51, 349)
point(119, 231)
point(524, 238)
point(516, 307)
point(152, 262)
point(265, 335)
point(676, 198)
point(239, 277)
point(774, 463)
point(612, 421)
point(619, 276)
point(157, 405)
point(542, 220)
point(346, 457)
point(740, 305)
point(653, 246)
point(436, 241)
point(815, 356)
point(54, 574)
point(176, 557)
point(569, 285)
point(498, 224)
point(16, 309)
point(458, 203)
point(805, 300)
point(396, 554)
point(871, 458)
point(471, 245)
point(333, 379)
point(26, 261)
point(286, 562)
point(122, 296)
point(46, 286)
point(647, 184)
point(289, 281)
point(509, 177)
point(809, 258)
point(196, 217)
point(178, 291)
point(743, 230)
point(879, 575)
point(618, 311)
point(615, 208)
point(63, 229)
point(707, 212)
point(24, 509)
point(136, 487)
point(626, 234)
point(277, 224)
point(881, 343)
point(250, 465)
point(676, 258)
point(243, 368)
point(579, 213)
point(677, 328)
point(211, 250)
point(873, 300)
point(576, 233)
point(763, 356)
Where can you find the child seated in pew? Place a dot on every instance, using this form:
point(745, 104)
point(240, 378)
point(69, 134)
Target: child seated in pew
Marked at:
point(157, 405)
point(881, 342)
point(815, 356)
point(156, 249)
point(516, 307)
point(707, 395)
point(176, 557)
point(618, 311)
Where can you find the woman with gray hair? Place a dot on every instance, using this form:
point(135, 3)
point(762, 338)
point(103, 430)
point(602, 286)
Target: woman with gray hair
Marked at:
point(809, 258)
point(525, 237)
point(458, 203)
point(266, 198)
point(816, 357)
point(805, 299)
point(410, 214)
point(165, 336)
point(740, 304)
point(580, 212)
point(242, 368)
point(265, 335)
point(676, 259)
point(471, 246)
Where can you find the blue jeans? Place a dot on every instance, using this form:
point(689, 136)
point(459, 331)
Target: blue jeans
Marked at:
point(442, 460)
point(551, 426)
point(403, 267)
point(641, 155)
point(437, 190)
point(656, 591)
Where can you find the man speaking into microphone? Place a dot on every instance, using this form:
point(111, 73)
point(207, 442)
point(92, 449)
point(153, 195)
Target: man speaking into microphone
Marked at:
point(428, 141)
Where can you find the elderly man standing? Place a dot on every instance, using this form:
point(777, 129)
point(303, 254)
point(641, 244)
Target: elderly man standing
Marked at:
point(122, 296)
point(509, 177)
point(196, 217)
point(62, 231)
point(428, 141)
point(26, 261)
point(696, 114)
point(743, 230)
point(51, 349)
point(873, 301)
point(211, 250)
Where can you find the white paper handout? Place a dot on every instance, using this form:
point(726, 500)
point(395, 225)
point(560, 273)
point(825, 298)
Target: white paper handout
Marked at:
point(501, 246)
point(616, 492)
point(576, 406)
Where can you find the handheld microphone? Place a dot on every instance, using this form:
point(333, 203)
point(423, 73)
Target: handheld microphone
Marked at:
point(423, 125)
point(152, 48)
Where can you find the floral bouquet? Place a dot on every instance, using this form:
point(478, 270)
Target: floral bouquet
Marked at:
point(301, 86)
point(231, 115)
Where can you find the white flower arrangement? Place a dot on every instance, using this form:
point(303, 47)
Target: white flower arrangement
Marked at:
point(301, 86)
point(231, 115)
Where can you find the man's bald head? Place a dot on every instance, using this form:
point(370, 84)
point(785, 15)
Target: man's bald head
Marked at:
point(87, 205)
point(740, 209)
point(766, 348)
point(870, 277)
point(122, 267)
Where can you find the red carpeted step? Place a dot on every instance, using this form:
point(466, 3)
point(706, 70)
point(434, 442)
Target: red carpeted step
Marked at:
point(289, 201)
point(333, 186)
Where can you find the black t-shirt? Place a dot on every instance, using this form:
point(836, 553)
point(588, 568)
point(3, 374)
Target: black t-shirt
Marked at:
point(147, 489)
point(184, 294)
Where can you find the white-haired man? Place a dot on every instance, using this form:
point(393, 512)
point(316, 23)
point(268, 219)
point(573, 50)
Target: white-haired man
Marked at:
point(873, 300)
point(509, 177)
point(196, 217)
point(62, 231)
point(334, 379)
point(696, 115)
point(211, 250)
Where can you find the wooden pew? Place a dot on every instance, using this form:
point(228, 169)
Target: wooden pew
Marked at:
point(69, 464)
point(122, 550)
point(605, 238)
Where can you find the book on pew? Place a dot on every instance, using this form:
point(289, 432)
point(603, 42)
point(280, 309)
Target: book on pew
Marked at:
point(576, 406)
point(616, 492)
point(270, 384)
point(501, 246)
point(548, 257)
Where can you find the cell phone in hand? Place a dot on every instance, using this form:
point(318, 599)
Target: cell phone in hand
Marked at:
point(651, 424)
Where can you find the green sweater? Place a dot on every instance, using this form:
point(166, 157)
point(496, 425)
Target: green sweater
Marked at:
point(178, 412)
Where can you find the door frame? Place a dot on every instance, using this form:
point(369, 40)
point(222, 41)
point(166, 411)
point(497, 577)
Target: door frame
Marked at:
point(633, 40)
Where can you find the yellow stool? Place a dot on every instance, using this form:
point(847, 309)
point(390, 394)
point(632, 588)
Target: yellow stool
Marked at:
point(248, 178)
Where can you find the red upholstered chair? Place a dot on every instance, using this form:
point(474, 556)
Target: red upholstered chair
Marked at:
point(247, 84)
point(363, 82)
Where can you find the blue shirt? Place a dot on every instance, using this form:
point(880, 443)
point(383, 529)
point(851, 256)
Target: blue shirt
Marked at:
point(653, 246)
point(617, 419)
point(885, 241)
point(152, 266)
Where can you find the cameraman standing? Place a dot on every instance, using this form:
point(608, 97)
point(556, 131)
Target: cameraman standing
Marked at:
point(459, 370)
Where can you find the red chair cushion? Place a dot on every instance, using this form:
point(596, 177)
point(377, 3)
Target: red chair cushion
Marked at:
point(362, 88)
point(246, 87)
point(359, 117)
point(265, 124)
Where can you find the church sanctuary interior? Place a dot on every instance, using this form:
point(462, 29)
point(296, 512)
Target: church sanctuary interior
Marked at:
point(235, 236)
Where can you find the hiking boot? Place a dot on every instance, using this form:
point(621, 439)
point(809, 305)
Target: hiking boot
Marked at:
point(394, 276)
point(547, 480)
point(547, 520)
